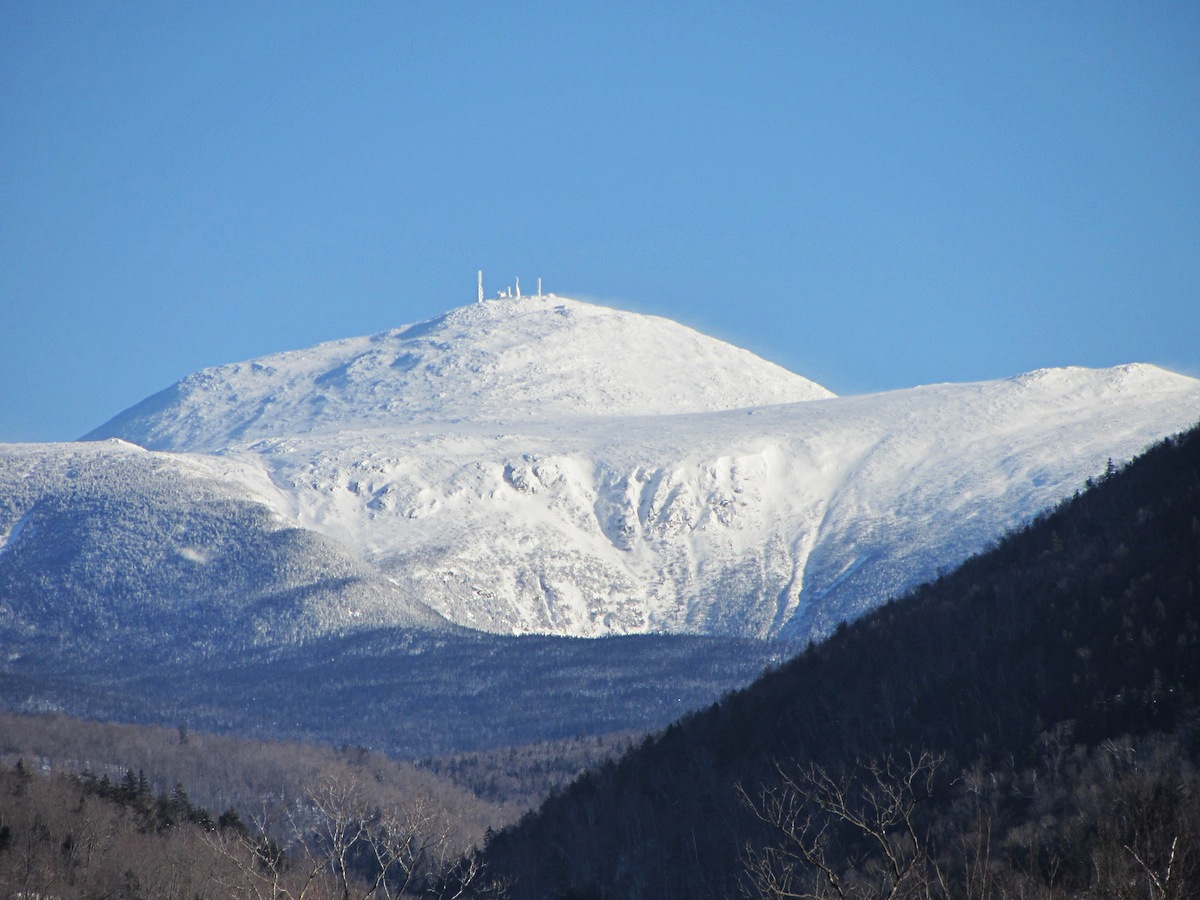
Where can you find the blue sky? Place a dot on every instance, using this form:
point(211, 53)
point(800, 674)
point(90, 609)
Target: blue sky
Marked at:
point(873, 195)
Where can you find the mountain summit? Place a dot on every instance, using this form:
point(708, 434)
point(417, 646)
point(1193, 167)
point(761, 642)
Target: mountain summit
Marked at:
point(511, 359)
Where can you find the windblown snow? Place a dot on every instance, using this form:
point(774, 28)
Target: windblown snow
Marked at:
point(547, 465)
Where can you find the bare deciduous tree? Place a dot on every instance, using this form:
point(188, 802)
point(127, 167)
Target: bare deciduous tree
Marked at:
point(345, 846)
point(852, 837)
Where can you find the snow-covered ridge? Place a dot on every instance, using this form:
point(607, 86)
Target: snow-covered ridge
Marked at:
point(512, 359)
point(774, 520)
point(106, 536)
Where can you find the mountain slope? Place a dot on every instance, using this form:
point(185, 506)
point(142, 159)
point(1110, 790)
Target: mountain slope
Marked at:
point(783, 520)
point(106, 541)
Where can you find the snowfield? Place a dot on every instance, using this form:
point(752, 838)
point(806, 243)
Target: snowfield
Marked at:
point(546, 465)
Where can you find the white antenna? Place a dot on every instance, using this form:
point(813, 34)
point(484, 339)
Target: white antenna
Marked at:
point(539, 289)
point(518, 287)
point(480, 286)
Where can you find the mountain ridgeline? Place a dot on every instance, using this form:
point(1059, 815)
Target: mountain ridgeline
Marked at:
point(540, 466)
point(1039, 706)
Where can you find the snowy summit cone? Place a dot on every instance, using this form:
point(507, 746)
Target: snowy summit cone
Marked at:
point(506, 360)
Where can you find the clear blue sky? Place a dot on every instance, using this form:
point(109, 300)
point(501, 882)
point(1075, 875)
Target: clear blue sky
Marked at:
point(873, 195)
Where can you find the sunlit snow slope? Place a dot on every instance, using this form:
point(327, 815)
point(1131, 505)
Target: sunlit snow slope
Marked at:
point(511, 360)
point(549, 465)
point(106, 540)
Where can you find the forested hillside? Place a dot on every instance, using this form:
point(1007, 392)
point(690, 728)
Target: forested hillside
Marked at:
point(1026, 725)
point(478, 789)
point(91, 810)
point(260, 780)
point(82, 837)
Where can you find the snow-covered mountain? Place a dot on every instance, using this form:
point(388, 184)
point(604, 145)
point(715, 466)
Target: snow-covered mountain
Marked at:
point(548, 465)
point(516, 360)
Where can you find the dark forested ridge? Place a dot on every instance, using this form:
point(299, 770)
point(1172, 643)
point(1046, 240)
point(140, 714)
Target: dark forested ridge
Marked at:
point(1052, 680)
